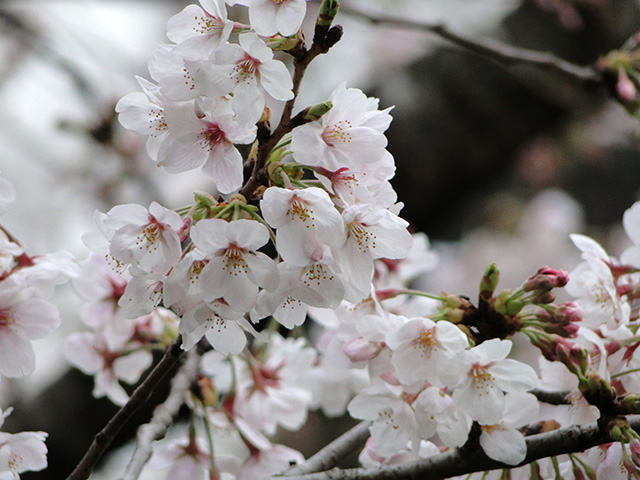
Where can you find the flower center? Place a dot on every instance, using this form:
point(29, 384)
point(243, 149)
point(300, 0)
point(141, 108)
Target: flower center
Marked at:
point(211, 136)
point(234, 262)
point(299, 210)
point(337, 133)
point(208, 25)
point(245, 70)
point(363, 237)
point(6, 319)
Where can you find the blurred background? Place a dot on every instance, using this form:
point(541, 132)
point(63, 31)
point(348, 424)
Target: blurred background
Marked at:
point(494, 164)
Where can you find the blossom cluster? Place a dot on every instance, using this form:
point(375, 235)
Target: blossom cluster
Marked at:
point(302, 235)
point(27, 284)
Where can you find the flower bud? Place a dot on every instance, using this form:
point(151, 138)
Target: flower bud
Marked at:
point(545, 279)
point(315, 112)
point(625, 88)
point(361, 350)
point(489, 282)
point(328, 11)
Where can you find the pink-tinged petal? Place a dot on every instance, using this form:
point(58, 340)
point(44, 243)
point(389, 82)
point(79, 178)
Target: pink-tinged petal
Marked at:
point(262, 271)
point(182, 154)
point(130, 368)
point(17, 358)
point(631, 222)
point(224, 165)
point(80, 351)
point(513, 376)
point(290, 16)
point(106, 384)
point(36, 318)
point(190, 22)
point(248, 234)
point(275, 204)
point(242, 293)
point(215, 279)
point(307, 145)
point(291, 313)
point(506, 446)
point(255, 47)
point(210, 235)
point(227, 337)
point(276, 80)
point(130, 213)
point(491, 350)
point(484, 403)
point(262, 16)
point(137, 113)
point(294, 246)
point(193, 325)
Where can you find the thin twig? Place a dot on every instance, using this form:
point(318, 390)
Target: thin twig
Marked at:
point(552, 398)
point(333, 453)
point(139, 396)
point(163, 416)
point(500, 52)
point(454, 462)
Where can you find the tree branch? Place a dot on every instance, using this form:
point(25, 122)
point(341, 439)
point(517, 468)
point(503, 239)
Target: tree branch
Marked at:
point(502, 53)
point(163, 415)
point(454, 462)
point(141, 394)
point(330, 455)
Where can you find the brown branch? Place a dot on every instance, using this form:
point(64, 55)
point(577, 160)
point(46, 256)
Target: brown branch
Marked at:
point(456, 462)
point(163, 415)
point(500, 52)
point(141, 394)
point(324, 38)
point(333, 453)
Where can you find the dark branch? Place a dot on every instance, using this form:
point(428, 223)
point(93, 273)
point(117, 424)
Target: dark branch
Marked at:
point(500, 52)
point(333, 453)
point(140, 395)
point(568, 440)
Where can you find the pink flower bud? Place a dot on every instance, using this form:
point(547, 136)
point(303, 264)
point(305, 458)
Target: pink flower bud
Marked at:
point(625, 88)
point(545, 279)
point(361, 350)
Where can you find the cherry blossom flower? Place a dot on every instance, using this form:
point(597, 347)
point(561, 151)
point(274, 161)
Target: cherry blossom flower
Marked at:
point(438, 414)
point(276, 459)
point(269, 17)
point(316, 285)
point(235, 269)
point(191, 461)
point(144, 113)
point(145, 238)
point(101, 287)
point(369, 457)
point(272, 391)
point(198, 31)
point(486, 374)
point(24, 316)
point(350, 134)
point(305, 220)
point(90, 353)
point(503, 441)
point(371, 233)
point(205, 139)
point(21, 452)
point(423, 350)
point(394, 421)
point(247, 71)
point(223, 327)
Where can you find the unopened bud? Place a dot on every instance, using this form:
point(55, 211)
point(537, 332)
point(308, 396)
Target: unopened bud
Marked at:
point(204, 199)
point(546, 278)
point(625, 88)
point(628, 404)
point(283, 44)
point(328, 11)
point(361, 350)
point(489, 282)
point(315, 112)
